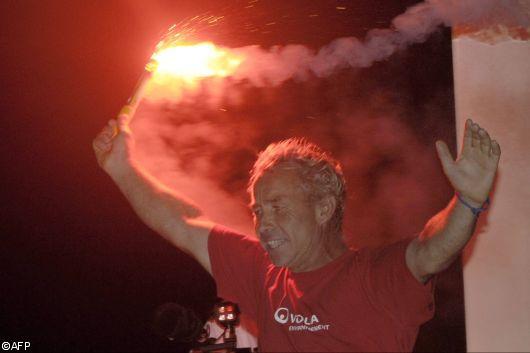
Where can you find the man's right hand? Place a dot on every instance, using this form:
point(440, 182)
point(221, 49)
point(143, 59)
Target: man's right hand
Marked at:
point(113, 146)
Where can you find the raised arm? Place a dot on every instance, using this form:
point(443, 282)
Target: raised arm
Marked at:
point(162, 209)
point(472, 176)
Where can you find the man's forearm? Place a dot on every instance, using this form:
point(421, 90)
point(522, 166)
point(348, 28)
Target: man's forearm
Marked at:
point(444, 237)
point(159, 207)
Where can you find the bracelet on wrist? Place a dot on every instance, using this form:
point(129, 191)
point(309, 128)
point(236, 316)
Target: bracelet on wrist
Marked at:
point(476, 210)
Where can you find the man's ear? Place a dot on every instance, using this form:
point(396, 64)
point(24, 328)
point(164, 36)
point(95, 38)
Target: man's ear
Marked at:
point(325, 208)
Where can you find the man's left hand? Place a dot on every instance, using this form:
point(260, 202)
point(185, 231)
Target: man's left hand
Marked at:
point(473, 172)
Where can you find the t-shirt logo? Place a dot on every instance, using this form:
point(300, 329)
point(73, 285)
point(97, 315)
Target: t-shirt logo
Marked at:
point(282, 315)
point(298, 322)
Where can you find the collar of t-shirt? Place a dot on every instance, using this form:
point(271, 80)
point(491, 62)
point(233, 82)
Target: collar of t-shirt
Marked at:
point(309, 277)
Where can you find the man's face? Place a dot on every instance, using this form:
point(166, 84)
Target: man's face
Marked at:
point(285, 220)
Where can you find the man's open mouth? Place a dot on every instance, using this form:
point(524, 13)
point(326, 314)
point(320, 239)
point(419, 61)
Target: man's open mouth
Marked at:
point(273, 244)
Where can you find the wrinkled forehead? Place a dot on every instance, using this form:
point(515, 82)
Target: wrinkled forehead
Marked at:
point(281, 181)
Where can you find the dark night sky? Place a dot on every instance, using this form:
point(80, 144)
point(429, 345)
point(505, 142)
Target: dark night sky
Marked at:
point(78, 269)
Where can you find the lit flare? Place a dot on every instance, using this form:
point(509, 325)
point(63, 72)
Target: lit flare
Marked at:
point(191, 62)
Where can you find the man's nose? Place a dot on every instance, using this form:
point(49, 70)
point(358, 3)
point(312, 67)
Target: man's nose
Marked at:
point(264, 224)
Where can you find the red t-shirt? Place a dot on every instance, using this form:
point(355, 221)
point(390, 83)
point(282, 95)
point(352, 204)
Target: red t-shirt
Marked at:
point(365, 300)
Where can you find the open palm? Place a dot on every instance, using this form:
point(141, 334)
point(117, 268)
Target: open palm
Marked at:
point(473, 172)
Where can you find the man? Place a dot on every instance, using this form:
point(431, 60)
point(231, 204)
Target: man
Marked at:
point(306, 290)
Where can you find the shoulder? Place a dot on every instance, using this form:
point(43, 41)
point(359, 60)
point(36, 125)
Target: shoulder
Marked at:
point(224, 236)
point(226, 245)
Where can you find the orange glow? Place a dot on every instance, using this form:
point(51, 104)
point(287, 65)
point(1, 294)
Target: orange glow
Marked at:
point(191, 62)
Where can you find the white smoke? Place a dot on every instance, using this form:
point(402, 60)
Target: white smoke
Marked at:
point(275, 66)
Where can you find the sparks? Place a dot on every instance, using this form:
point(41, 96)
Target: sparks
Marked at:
point(177, 68)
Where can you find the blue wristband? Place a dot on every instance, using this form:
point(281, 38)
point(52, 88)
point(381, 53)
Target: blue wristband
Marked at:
point(476, 210)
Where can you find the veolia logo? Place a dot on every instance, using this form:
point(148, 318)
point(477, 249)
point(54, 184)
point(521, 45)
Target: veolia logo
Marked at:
point(282, 316)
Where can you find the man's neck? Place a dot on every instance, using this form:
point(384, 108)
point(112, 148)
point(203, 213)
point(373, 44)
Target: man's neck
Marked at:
point(327, 251)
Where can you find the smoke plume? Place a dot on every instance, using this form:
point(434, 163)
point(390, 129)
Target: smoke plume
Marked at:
point(278, 64)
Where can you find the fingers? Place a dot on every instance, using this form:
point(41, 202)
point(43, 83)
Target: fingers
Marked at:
point(475, 137)
point(467, 134)
point(113, 124)
point(123, 123)
point(480, 140)
point(100, 145)
point(110, 130)
point(445, 156)
point(103, 141)
point(115, 134)
point(485, 141)
point(495, 148)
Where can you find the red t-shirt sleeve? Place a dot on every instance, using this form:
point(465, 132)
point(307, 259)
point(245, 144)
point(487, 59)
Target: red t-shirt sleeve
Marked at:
point(392, 288)
point(238, 267)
